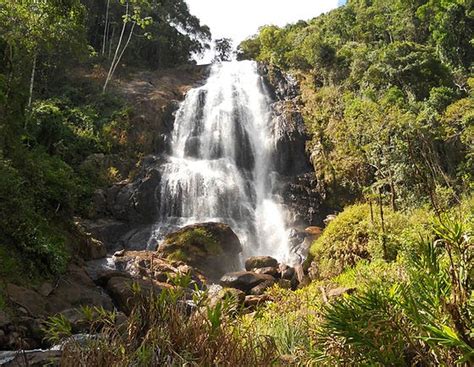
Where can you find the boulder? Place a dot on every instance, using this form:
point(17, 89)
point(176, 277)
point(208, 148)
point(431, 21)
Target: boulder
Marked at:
point(73, 289)
point(146, 264)
point(258, 262)
point(314, 231)
point(273, 271)
point(32, 301)
point(262, 287)
point(329, 219)
point(244, 280)
point(338, 292)
point(122, 292)
point(4, 319)
point(212, 248)
point(286, 272)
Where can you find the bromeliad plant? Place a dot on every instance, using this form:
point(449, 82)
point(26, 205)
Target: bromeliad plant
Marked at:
point(426, 320)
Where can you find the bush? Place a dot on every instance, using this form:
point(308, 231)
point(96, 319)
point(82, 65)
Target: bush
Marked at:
point(30, 245)
point(356, 234)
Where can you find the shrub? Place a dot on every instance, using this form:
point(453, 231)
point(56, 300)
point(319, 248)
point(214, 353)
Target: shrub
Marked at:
point(423, 320)
point(357, 234)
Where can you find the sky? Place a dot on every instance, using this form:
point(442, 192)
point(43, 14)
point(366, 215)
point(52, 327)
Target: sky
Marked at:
point(241, 19)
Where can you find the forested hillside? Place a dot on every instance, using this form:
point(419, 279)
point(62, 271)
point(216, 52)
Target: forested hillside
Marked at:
point(58, 56)
point(387, 95)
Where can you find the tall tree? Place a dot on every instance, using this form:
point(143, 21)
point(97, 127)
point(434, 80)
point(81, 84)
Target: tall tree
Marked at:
point(223, 49)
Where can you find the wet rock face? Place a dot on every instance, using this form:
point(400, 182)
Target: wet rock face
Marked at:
point(301, 191)
point(213, 248)
point(137, 201)
point(288, 125)
point(305, 196)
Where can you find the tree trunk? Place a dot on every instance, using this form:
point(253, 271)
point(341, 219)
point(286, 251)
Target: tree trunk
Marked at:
point(111, 41)
point(124, 48)
point(384, 245)
point(106, 28)
point(114, 60)
point(32, 80)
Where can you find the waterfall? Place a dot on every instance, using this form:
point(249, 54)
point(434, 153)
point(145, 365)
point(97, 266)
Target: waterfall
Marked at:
point(220, 166)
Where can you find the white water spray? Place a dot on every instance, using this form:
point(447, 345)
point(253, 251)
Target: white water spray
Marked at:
point(220, 167)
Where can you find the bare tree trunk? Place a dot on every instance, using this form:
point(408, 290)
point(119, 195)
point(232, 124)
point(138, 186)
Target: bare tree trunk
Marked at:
point(32, 80)
point(106, 28)
point(371, 211)
point(112, 65)
point(124, 48)
point(384, 244)
point(111, 42)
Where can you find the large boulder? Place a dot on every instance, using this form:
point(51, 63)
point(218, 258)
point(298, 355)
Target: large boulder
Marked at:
point(258, 262)
point(217, 293)
point(244, 280)
point(74, 289)
point(212, 248)
point(126, 292)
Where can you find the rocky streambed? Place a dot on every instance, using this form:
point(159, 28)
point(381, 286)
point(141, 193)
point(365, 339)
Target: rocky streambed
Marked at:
point(202, 252)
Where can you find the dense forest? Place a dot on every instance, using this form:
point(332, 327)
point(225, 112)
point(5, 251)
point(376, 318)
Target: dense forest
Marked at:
point(386, 94)
point(52, 118)
point(386, 90)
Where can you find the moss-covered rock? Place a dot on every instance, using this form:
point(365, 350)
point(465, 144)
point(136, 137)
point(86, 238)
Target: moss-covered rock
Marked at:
point(213, 248)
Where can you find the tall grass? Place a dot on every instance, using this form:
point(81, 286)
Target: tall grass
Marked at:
point(164, 329)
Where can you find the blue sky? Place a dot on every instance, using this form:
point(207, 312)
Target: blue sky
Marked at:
point(241, 19)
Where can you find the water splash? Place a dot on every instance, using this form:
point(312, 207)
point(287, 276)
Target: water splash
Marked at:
point(220, 167)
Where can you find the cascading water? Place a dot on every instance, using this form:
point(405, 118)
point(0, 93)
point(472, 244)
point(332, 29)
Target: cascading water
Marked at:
point(220, 166)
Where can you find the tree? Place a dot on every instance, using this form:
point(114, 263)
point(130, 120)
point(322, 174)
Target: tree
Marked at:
point(223, 49)
point(33, 30)
point(134, 15)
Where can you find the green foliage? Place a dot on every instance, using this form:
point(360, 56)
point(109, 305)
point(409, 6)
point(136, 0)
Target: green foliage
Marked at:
point(57, 328)
point(31, 245)
point(431, 309)
point(378, 78)
point(357, 234)
point(167, 33)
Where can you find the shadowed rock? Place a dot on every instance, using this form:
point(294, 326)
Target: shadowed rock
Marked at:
point(244, 280)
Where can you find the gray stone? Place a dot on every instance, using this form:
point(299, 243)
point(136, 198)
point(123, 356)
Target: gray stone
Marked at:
point(257, 262)
point(262, 287)
point(273, 271)
point(4, 319)
point(244, 280)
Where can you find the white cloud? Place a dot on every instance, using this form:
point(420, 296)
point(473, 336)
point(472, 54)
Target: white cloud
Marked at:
point(241, 19)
